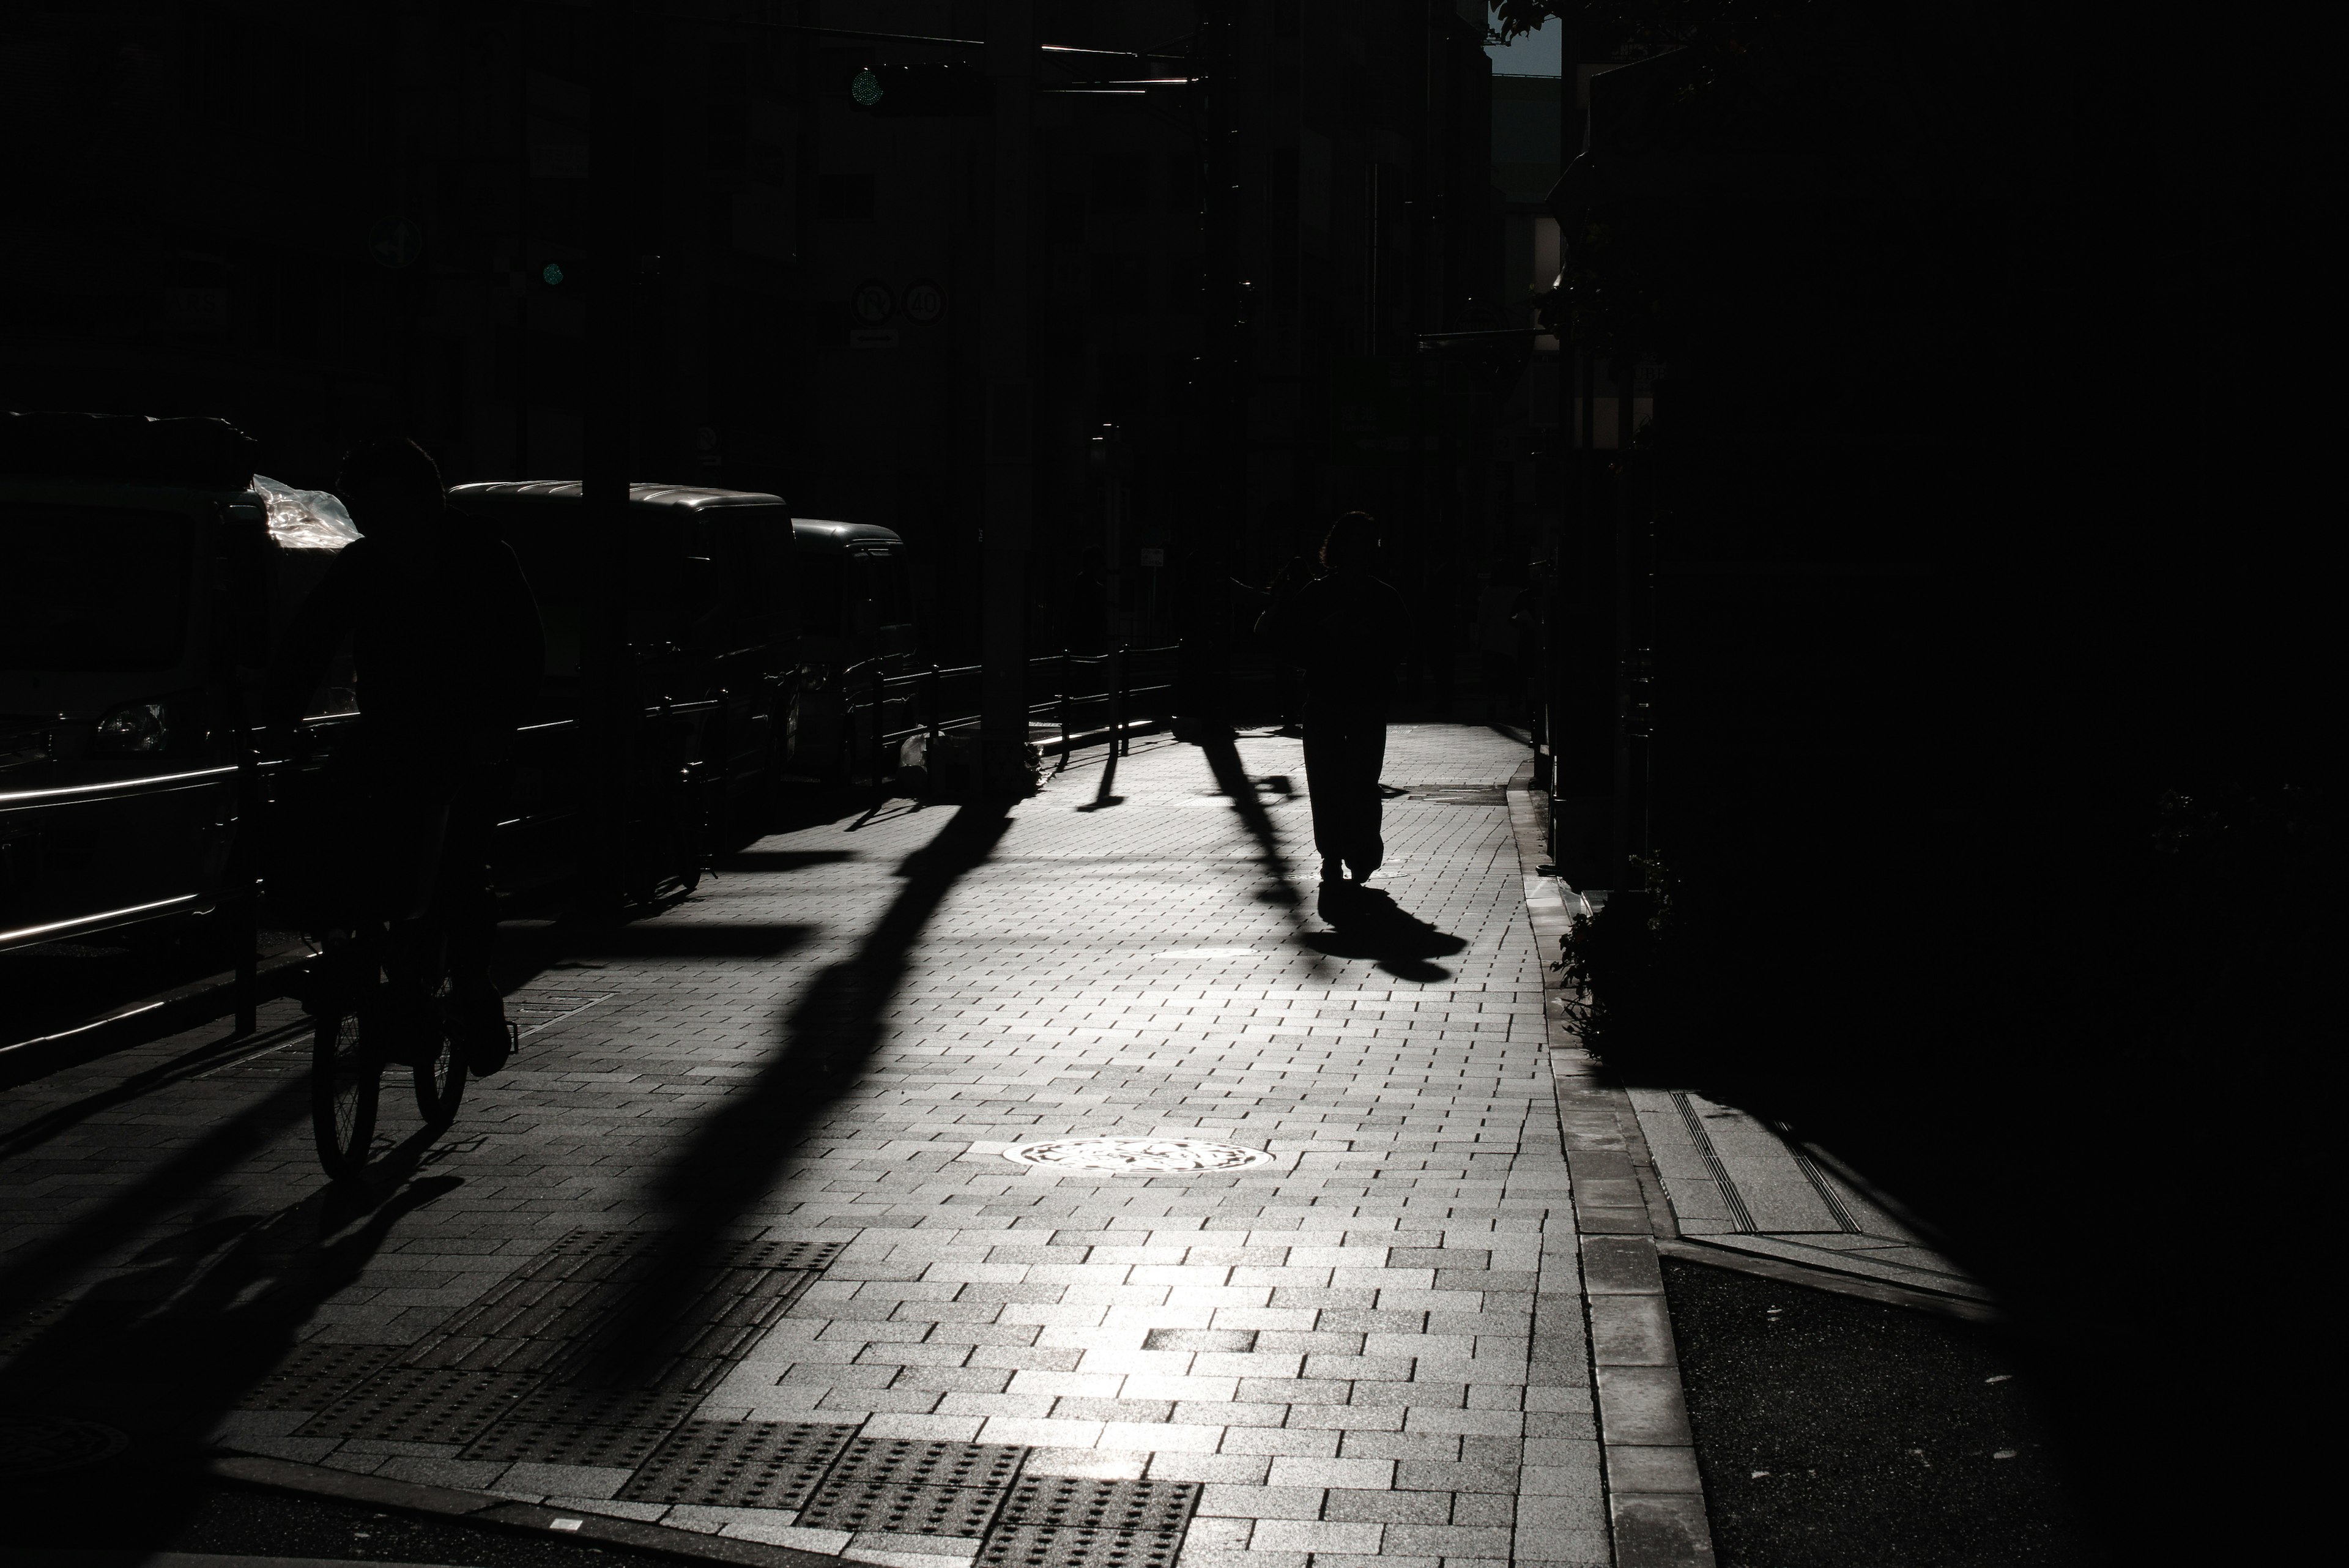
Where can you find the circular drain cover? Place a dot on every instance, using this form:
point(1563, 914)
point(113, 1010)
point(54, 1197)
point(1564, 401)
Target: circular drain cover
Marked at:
point(36, 1445)
point(1138, 1154)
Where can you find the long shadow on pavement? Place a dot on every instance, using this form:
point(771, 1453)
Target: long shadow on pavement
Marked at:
point(732, 1161)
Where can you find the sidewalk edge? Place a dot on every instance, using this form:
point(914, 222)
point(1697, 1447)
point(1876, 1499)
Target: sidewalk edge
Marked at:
point(1791, 1273)
point(1655, 1496)
point(414, 1497)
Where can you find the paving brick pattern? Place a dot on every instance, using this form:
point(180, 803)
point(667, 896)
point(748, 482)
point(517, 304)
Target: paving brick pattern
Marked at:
point(1371, 1347)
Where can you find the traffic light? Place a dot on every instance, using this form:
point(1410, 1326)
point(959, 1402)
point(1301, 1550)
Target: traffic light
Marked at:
point(558, 275)
point(905, 92)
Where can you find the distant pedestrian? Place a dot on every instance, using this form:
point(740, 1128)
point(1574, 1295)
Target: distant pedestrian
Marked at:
point(1287, 687)
point(1498, 638)
point(1348, 628)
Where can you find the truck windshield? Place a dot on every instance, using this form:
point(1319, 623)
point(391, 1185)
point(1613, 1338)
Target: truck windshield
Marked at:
point(92, 588)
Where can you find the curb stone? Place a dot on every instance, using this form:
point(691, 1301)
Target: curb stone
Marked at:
point(1655, 1497)
point(414, 1497)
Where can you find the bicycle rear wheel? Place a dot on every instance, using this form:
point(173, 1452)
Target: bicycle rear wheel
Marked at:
point(346, 1074)
point(441, 1083)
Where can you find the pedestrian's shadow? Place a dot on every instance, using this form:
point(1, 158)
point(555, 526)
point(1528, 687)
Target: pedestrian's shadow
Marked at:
point(731, 1164)
point(1365, 923)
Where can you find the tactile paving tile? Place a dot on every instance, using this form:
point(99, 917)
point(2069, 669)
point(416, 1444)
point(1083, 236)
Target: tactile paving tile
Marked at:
point(1074, 1547)
point(314, 1375)
point(899, 1507)
point(739, 1464)
point(635, 1406)
point(566, 1443)
point(909, 1461)
point(1122, 1505)
point(420, 1405)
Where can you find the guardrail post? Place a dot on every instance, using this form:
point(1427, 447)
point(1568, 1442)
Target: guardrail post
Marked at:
point(1118, 680)
point(1064, 713)
point(248, 889)
point(880, 731)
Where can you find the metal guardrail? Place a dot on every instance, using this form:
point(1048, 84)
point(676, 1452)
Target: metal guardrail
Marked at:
point(868, 686)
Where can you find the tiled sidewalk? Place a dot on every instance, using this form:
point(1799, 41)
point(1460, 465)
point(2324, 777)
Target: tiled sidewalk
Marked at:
point(816, 1305)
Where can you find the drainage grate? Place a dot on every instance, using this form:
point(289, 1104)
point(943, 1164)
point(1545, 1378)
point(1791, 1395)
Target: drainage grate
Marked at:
point(315, 1374)
point(564, 1443)
point(420, 1405)
point(24, 1330)
point(739, 1464)
point(1074, 1547)
point(898, 1507)
point(1161, 1507)
point(909, 1461)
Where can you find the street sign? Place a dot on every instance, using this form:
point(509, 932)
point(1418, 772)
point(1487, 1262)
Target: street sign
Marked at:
point(924, 302)
point(873, 304)
point(872, 338)
point(1153, 558)
point(395, 243)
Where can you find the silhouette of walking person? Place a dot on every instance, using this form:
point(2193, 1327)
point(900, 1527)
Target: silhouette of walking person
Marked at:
point(1347, 629)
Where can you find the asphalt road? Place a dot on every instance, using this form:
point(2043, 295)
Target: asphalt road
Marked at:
point(1833, 1431)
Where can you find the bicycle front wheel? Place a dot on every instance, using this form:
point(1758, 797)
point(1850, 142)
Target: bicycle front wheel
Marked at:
point(345, 1073)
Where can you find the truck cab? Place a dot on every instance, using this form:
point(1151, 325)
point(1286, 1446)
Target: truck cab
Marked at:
point(857, 616)
point(144, 573)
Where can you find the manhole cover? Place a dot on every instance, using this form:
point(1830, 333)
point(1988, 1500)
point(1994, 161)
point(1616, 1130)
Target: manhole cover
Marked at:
point(38, 1445)
point(1138, 1154)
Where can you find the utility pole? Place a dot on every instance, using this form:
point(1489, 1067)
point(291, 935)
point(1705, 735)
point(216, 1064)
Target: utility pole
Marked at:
point(1008, 516)
point(1223, 384)
point(604, 662)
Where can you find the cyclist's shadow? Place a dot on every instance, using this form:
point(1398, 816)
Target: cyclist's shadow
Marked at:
point(165, 1350)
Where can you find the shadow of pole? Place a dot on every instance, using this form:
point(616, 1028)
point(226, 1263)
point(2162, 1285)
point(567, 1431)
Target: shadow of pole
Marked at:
point(732, 1161)
point(1101, 796)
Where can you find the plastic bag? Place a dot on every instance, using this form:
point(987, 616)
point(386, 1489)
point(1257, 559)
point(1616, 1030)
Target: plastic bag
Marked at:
point(304, 519)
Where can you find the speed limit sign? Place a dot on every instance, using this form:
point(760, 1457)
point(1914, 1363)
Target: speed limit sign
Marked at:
point(926, 301)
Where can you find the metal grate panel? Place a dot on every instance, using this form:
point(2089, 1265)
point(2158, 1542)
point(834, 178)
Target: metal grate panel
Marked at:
point(901, 1509)
point(1122, 1505)
point(1074, 1547)
point(739, 1464)
point(420, 1405)
point(908, 1462)
point(314, 1375)
point(566, 1443)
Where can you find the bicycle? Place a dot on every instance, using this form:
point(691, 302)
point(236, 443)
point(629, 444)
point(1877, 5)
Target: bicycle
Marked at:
point(353, 1040)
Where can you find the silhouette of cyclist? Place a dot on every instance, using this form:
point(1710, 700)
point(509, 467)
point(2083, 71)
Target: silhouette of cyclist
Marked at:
point(1347, 627)
point(448, 651)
